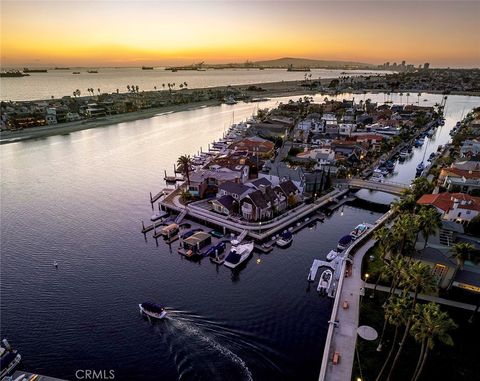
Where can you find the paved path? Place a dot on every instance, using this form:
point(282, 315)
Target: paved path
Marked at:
point(430, 298)
point(345, 335)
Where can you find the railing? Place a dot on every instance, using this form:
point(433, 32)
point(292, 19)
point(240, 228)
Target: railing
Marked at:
point(352, 249)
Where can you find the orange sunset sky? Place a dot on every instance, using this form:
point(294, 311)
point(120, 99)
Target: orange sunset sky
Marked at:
point(129, 33)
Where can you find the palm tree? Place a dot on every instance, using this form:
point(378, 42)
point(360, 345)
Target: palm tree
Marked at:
point(137, 88)
point(128, 88)
point(163, 85)
point(383, 238)
point(429, 221)
point(401, 98)
point(98, 90)
point(394, 271)
point(185, 84)
point(432, 324)
point(406, 203)
point(418, 98)
point(184, 163)
point(396, 314)
point(408, 94)
point(417, 277)
point(155, 88)
point(462, 252)
point(404, 229)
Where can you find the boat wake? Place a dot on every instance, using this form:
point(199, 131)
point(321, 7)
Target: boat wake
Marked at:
point(198, 355)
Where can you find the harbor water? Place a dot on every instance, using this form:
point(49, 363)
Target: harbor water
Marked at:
point(79, 199)
point(59, 83)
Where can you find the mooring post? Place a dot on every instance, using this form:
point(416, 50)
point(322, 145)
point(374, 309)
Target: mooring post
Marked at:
point(151, 198)
point(143, 226)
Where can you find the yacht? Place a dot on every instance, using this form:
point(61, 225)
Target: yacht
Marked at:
point(153, 310)
point(404, 153)
point(332, 255)
point(390, 165)
point(344, 242)
point(359, 230)
point(238, 254)
point(9, 358)
point(285, 239)
point(325, 281)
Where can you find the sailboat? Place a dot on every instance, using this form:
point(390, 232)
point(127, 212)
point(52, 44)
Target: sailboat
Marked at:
point(421, 166)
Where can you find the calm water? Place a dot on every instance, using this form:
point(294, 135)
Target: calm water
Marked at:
point(62, 82)
point(79, 199)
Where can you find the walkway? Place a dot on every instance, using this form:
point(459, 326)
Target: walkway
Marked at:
point(429, 298)
point(345, 334)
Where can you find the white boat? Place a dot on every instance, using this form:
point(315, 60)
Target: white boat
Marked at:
point(404, 154)
point(377, 176)
point(420, 167)
point(359, 230)
point(285, 239)
point(153, 310)
point(325, 281)
point(332, 255)
point(238, 254)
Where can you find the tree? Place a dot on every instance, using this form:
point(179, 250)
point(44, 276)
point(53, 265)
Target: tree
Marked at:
point(396, 313)
point(431, 325)
point(421, 186)
point(184, 163)
point(384, 242)
point(462, 252)
point(404, 230)
point(428, 220)
point(417, 277)
point(406, 203)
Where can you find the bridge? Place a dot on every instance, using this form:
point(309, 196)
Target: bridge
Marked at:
point(384, 186)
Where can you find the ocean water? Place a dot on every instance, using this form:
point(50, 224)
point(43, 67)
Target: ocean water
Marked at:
point(59, 83)
point(79, 199)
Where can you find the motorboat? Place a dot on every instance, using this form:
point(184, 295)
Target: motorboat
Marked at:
point(332, 255)
point(430, 132)
point(285, 239)
point(158, 215)
point(214, 251)
point(377, 176)
point(325, 281)
point(344, 242)
point(9, 358)
point(238, 254)
point(420, 167)
point(152, 310)
point(390, 166)
point(359, 230)
point(404, 153)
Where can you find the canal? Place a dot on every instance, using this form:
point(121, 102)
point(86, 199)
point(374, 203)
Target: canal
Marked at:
point(78, 199)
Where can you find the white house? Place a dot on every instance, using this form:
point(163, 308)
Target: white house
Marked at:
point(457, 207)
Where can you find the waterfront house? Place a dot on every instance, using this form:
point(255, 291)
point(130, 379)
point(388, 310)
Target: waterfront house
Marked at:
point(346, 129)
point(256, 206)
point(236, 190)
point(225, 204)
point(254, 146)
point(457, 207)
point(204, 183)
point(457, 179)
point(470, 148)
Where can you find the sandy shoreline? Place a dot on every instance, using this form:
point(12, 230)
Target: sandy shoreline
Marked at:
point(271, 90)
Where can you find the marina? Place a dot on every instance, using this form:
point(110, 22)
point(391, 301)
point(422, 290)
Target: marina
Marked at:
point(121, 269)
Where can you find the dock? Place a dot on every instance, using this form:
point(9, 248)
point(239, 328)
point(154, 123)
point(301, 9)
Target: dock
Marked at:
point(317, 263)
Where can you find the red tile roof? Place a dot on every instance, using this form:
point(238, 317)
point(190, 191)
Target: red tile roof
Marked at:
point(445, 201)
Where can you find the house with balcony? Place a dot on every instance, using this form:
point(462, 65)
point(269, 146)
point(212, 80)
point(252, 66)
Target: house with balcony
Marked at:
point(456, 207)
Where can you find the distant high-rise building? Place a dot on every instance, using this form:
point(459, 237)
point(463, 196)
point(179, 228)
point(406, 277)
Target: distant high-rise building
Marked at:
point(426, 66)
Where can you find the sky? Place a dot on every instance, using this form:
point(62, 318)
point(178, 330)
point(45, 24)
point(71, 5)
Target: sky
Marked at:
point(133, 33)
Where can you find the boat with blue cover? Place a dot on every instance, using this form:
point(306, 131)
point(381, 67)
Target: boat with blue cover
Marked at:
point(344, 242)
point(238, 254)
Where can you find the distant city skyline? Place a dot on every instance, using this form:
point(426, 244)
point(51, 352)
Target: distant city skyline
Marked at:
point(126, 33)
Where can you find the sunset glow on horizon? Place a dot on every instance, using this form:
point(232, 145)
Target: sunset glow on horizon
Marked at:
point(127, 33)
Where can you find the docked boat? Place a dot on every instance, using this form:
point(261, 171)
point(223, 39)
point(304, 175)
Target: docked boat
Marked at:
point(420, 167)
point(153, 310)
point(359, 230)
point(285, 239)
point(430, 132)
point(325, 281)
point(158, 215)
point(344, 242)
point(377, 176)
point(238, 254)
point(390, 166)
point(9, 358)
point(332, 255)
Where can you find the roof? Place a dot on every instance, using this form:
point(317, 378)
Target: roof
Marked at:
point(430, 254)
point(468, 174)
point(261, 181)
point(196, 238)
point(259, 199)
point(234, 188)
point(253, 143)
point(468, 277)
point(446, 201)
point(226, 201)
point(288, 187)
